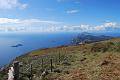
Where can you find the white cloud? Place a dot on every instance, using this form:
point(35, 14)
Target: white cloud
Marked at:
point(72, 11)
point(9, 4)
point(110, 24)
point(23, 6)
point(107, 25)
point(30, 25)
point(13, 21)
point(37, 25)
point(7, 20)
point(85, 27)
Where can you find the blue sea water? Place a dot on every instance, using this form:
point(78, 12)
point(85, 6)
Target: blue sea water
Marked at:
point(29, 41)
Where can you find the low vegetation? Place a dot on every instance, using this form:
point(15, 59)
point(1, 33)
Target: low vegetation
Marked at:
point(94, 61)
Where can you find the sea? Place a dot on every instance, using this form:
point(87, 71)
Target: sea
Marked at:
point(14, 44)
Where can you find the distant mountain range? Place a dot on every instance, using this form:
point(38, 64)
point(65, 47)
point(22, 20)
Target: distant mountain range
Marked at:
point(89, 38)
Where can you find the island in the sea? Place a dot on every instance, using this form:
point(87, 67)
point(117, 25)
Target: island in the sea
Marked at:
point(17, 45)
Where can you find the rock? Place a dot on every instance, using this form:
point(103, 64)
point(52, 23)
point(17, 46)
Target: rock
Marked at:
point(44, 74)
point(105, 63)
point(57, 70)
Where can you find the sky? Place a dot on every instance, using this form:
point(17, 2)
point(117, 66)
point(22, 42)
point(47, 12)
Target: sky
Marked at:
point(59, 15)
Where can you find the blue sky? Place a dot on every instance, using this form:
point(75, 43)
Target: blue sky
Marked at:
point(59, 15)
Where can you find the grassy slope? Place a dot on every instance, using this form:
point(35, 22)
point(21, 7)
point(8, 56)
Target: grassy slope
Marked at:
point(95, 61)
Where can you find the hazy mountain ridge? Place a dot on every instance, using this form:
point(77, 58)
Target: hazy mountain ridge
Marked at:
point(89, 38)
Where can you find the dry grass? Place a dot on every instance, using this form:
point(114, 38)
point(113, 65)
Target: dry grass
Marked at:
point(95, 61)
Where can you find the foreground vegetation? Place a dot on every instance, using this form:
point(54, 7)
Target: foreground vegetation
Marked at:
point(95, 61)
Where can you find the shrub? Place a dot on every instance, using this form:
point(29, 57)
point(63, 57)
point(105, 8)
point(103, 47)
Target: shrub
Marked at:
point(117, 47)
point(98, 47)
point(102, 47)
point(66, 63)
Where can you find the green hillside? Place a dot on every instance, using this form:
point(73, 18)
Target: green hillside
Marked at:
point(94, 61)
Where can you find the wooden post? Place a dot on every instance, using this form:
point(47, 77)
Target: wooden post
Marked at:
point(31, 74)
point(42, 63)
point(56, 61)
point(16, 70)
point(59, 57)
point(51, 66)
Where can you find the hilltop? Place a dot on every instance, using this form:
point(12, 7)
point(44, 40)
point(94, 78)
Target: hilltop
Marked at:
point(93, 61)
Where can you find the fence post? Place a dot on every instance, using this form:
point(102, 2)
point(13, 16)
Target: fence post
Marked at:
point(51, 66)
point(31, 74)
point(16, 70)
point(59, 57)
point(42, 63)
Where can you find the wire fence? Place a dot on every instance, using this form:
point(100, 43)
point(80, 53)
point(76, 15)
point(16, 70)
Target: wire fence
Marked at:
point(39, 65)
